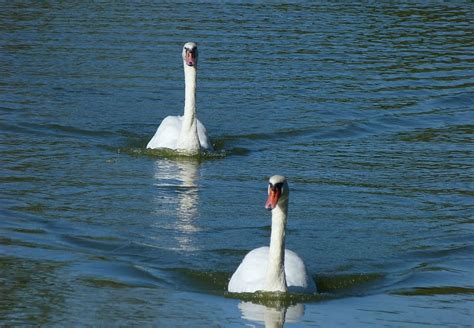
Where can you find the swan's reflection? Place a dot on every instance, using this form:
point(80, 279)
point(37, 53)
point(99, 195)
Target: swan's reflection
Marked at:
point(178, 179)
point(271, 316)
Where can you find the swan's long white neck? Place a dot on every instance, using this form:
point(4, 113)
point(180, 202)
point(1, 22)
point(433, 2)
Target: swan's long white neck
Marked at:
point(275, 279)
point(188, 140)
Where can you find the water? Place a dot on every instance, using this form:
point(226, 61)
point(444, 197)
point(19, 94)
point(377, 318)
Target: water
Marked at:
point(366, 108)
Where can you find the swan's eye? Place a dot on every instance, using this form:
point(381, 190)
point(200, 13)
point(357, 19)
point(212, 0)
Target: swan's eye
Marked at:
point(275, 186)
point(279, 185)
point(192, 52)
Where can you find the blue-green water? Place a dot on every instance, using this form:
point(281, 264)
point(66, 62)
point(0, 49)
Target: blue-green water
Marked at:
point(368, 109)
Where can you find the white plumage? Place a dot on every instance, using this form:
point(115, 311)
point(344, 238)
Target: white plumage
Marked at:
point(185, 134)
point(250, 275)
point(274, 268)
point(167, 134)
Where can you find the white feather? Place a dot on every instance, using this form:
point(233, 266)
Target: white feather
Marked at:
point(250, 275)
point(184, 133)
point(274, 268)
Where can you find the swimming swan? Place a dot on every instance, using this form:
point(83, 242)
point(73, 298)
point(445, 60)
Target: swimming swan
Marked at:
point(274, 268)
point(185, 134)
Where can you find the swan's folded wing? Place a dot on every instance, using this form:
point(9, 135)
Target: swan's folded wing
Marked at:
point(203, 138)
point(250, 275)
point(297, 278)
point(167, 134)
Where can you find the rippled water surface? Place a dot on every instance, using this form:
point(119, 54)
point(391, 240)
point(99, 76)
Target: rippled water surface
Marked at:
point(367, 109)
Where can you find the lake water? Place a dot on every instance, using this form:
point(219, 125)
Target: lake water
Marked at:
point(368, 109)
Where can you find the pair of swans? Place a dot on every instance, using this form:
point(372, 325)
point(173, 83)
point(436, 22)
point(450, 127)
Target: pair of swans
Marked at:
point(269, 269)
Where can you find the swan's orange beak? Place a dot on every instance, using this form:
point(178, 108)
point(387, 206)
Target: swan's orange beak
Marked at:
point(273, 197)
point(191, 57)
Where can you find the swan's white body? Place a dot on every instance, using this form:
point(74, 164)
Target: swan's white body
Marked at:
point(274, 268)
point(186, 133)
point(250, 275)
point(168, 132)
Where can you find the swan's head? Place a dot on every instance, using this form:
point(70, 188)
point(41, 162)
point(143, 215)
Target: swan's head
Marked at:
point(277, 191)
point(190, 54)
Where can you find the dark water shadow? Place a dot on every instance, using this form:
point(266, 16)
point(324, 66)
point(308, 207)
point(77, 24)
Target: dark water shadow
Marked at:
point(329, 286)
point(136, 146)
point(276, 309)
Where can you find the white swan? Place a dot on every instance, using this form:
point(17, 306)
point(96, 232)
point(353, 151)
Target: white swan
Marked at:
point(274, 268)
point(186, 133)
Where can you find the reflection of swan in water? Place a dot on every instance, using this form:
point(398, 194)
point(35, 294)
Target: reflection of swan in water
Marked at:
point(180, 178)
point(274, 317)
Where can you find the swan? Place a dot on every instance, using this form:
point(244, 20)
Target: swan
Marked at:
point(185, 134)
point(274, 268)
